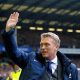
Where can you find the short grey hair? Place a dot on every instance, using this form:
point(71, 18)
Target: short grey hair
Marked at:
point(52, 35)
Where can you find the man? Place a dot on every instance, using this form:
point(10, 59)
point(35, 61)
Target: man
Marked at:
point(35, 65)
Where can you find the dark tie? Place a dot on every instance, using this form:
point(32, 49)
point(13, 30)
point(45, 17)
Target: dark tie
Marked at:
point(49, 67)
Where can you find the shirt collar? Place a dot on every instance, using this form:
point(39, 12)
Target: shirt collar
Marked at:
point(55, 60)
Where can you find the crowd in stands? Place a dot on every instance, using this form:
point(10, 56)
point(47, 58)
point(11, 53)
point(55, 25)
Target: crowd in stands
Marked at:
point(8, 69)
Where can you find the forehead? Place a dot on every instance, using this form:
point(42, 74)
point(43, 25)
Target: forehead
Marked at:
point(46, 39)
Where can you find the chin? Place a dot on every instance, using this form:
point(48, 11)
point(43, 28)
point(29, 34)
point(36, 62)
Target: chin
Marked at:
point(45, 56)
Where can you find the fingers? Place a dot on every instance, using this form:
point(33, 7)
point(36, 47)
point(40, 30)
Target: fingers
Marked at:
point(14, 16)
point(12, 21)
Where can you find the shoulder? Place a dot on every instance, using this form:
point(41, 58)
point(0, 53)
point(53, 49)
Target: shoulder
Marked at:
point(73, 66)
point(32, 55)
point(72, 72)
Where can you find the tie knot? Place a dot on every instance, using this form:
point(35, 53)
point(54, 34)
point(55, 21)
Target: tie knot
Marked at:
point(49, 63)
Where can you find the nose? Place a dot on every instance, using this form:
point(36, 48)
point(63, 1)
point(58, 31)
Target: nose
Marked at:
point(42, 49)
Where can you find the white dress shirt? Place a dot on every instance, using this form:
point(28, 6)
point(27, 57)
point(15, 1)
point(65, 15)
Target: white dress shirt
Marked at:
point(54, 64)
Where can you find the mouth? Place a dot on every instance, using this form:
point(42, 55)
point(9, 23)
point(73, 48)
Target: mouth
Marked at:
point(44, 52)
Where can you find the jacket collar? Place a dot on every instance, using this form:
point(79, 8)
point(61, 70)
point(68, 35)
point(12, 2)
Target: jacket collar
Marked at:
point(65, 61)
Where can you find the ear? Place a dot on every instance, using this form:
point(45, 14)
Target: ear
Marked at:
point(57, 47)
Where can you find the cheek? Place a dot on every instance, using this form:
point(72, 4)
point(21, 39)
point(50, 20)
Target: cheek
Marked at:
point(52, 49)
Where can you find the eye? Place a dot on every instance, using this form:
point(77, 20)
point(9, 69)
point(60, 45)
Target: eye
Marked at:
point(47, 44)
point(44, 44)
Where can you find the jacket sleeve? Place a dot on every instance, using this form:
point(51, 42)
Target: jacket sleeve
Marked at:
point(10, 42)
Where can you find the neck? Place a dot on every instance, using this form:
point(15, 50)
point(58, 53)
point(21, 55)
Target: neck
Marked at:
point(52, 57)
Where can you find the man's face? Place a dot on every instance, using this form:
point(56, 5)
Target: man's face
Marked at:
point(48, 47)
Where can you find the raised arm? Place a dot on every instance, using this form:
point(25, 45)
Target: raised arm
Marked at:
point(9, 39)
point(12, 21)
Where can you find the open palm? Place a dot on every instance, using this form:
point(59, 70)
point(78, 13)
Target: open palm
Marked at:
point(12, 21)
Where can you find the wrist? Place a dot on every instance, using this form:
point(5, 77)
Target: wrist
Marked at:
point(8, 29)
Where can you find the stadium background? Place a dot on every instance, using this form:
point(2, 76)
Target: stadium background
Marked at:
point(36, 16)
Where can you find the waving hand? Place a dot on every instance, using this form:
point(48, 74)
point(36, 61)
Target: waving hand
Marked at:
point(12, 21)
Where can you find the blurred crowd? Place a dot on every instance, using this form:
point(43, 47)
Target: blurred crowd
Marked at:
point(9, 70)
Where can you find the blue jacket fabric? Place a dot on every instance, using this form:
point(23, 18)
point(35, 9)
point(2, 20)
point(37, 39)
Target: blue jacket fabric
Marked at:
point(33, 64)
